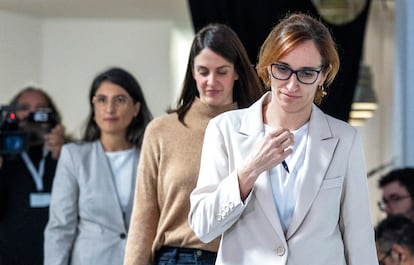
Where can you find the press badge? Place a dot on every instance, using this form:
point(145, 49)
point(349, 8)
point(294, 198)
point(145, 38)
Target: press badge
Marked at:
point(39, 199)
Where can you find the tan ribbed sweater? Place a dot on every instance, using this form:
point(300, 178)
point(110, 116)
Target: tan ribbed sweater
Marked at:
point(167, 174)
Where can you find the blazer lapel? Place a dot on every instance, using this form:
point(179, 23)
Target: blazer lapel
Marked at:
point(131, 198)
point(319, 151)
point(252, 129)
point(106, 185)
point(264, 196)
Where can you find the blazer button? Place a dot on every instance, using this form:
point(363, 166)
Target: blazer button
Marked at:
point(280, 251)
point(219, 217)
point(122, 236)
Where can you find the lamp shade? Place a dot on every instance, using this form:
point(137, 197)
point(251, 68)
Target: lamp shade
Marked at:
point(365, 101)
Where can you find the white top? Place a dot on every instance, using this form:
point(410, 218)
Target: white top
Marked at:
point(121, 164)
point(285, 186)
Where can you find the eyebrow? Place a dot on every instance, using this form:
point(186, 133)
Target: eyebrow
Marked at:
point(103, 95)
point(393, 195)
point(397, 194)
point(217, 68)
point(301, 68)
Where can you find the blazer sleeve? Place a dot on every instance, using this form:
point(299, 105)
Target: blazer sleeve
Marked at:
point(215, 202)
point(355, 218)
point(60, 231)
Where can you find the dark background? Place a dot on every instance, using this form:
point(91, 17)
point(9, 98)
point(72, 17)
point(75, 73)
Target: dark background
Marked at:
point(253, 20)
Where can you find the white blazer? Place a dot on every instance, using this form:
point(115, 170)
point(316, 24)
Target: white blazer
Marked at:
point(86, 222)
point(331, 224)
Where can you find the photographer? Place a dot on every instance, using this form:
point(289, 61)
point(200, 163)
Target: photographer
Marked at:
point(26, 179)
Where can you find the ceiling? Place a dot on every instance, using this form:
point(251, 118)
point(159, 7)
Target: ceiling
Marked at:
point(175, 10)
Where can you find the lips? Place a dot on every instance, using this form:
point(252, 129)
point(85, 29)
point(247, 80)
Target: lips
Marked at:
point(111, 119)
point(290, 95)
point(212, 92)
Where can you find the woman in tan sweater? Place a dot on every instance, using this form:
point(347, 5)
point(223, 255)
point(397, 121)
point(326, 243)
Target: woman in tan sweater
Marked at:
point(219, 78)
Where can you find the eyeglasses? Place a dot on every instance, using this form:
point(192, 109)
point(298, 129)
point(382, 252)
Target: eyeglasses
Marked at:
point(394, 199)
point(118, 101)
point(381, 261)
point(305, 76)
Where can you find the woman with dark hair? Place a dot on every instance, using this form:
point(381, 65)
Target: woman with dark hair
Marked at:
point(93, 188)
point(219, 78)
point(282, 182)
point(26, 177)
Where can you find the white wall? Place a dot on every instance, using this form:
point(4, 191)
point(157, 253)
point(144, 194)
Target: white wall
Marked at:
point(64, 55)
point(20, 53)
point(76, 50)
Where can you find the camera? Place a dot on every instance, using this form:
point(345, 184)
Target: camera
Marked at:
point(17, 135)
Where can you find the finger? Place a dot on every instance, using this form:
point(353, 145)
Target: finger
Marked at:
point(59, 128)
point(282, 140)
point(279, 131)
point(287, 142)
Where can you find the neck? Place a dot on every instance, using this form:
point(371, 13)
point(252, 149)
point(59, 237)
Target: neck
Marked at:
point(209, 110)
point(113, 143)
point(276, 117)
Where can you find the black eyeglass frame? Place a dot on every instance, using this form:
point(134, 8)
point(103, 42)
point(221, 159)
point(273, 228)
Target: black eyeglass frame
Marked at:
point(296, 73)
point(382, 203)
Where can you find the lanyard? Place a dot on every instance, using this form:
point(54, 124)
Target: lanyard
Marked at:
point(37, 175)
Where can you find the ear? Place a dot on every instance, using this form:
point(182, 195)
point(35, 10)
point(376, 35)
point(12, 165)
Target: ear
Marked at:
point(236, 76)
point(324, 75)
point(137, 108)
point(401, 252)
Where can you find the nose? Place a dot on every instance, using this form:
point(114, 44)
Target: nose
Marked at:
point(387, 209)
point(292, 82)
point(211, 79)
point(110, 106)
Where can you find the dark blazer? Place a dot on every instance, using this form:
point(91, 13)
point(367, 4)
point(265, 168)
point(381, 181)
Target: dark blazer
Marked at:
point(87, 224)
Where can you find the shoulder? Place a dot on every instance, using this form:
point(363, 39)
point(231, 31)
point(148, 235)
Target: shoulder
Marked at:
point(340, 126)
point(163, 121)
point(245, 117)
point(162, 125)
point(337, 127)
point(79, 147)
point(250, 114)
point(230, 117)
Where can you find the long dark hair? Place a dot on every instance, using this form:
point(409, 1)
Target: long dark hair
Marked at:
point(222, 40)
point(136, 128)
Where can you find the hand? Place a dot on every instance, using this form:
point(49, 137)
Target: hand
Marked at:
point(269, 152)
point(54, 140)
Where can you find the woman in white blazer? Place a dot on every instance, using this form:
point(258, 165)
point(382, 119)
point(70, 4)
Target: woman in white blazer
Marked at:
point(281, 181)
point(92, 193)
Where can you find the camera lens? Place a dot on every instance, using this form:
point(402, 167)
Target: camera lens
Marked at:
point(13, 142)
